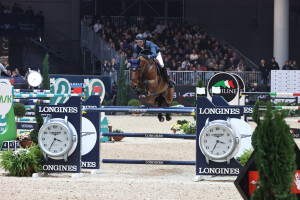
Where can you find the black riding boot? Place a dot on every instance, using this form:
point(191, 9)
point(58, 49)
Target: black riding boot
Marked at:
point(167, 78)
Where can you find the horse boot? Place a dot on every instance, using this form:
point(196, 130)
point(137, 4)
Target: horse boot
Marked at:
point(167, 77)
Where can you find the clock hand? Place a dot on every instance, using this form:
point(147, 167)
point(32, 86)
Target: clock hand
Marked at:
point(52, 143)
point(215, 146)
point(221, 142)
point(58, 140)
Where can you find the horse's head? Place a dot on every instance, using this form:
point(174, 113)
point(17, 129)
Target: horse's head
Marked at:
point(135, 69)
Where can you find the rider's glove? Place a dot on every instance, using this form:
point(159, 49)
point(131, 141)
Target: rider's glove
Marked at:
point(149, 57)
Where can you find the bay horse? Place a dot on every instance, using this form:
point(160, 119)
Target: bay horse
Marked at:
point(145, 79)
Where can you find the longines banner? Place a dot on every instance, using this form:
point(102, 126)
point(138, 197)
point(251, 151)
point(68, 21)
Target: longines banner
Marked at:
point(17, 25)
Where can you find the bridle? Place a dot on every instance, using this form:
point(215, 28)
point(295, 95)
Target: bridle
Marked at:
point(142, 71)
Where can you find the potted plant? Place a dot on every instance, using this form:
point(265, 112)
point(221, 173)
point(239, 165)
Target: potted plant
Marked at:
point(176, 128)
point(24, 139)
point(22, 162)
point(19, 110)
point(118, 138)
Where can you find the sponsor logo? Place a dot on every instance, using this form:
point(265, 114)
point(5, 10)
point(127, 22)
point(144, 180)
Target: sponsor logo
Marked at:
point(154, 135)
point(137, 110)
point(219, 170)
point(60, 168)
point(217, 135)
point(89, 106)
point(248, 110)
point(219, 111)
point(88, 164)
point(27, 126)
point(154, 162)
point(189, 94)
point(58, 109)
point(223, 84)
point(5, 98)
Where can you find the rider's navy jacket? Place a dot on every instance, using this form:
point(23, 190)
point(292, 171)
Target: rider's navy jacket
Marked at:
point(149, 46)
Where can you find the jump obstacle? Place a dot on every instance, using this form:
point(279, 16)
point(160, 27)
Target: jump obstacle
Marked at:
point(149, 135)
point(271, 94)
point(58, 87)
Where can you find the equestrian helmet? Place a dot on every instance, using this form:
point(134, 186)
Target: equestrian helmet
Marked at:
point(140, 37)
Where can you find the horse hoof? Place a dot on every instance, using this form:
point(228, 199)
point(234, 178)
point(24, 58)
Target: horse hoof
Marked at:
point(168, 118)
point(161, 119)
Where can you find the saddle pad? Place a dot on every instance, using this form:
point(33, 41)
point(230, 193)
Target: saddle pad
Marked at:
point(135, 62)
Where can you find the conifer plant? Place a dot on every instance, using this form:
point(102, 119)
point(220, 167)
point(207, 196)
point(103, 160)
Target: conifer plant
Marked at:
point(275, 157)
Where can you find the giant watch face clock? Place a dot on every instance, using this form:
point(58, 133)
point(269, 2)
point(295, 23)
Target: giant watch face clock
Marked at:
point(218, 142)
point(34, 78)
point(56, 138)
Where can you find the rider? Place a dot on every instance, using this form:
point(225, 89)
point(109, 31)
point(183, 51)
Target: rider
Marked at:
point(143, 44)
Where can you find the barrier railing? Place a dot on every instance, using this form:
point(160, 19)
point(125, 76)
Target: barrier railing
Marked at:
point(97, 46)
point(191, 78)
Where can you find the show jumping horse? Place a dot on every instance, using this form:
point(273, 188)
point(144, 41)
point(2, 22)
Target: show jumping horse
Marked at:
point(145, 79)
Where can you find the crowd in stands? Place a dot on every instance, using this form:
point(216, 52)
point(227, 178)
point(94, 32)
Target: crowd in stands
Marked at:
point(184, 47)
point(6, 71)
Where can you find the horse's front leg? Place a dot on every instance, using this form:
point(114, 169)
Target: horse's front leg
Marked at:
point(160, 117)
point(168, 116)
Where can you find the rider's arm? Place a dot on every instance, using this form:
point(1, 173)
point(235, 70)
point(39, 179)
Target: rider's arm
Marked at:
point(153, 48)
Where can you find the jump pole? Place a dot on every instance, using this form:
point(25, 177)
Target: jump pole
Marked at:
point(150, 135)
point(142, 110)
point(271, 94)
point(148, 162)
point(31, 101)
point(31, 90)
point(22, 95)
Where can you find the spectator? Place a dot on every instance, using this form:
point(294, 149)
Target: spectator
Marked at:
point(160, 27)
point(264, 72)
point(273, 65)
point(14, 74)
point(185, 64)
point(114, 65)
point(17, 73)
point(286, 66)
point(9, 73)
point(294, 65)
point(97, 26)
point(114, 91)
point(104, 67)
point(193, 56)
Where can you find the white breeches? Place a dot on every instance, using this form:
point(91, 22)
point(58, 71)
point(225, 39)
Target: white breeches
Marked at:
point(160, 60)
